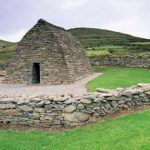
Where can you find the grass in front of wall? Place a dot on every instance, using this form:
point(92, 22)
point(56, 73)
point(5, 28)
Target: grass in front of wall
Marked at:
point(130, 132)
point(140, 43)
point(114, 50)
point(103, 50)
point(92, 53)
point(115, 77)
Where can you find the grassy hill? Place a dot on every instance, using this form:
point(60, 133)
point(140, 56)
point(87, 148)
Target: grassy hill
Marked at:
point(97, 37)
point(6, 50)
point(3, 43)
point(100, 42)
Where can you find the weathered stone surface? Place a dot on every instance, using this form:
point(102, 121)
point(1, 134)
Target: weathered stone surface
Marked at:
point(69, 101)
point(36, 115)
point(127, 61)
point(128, 99)
point(113, 98)
point(76, 117)
point(25, 108)
point(34, 99)
point(7, 106)
point(60, 99)
point(8, 100)
point(70, 109)
point(120, 89)
point(101, 90)
point(3, 66)
point(40, 104)
point(47, 102)
point(114, 104)
point(121, 102)
point(89, 96)
point(105, 95)
point(11, 112)
point(144, 86)
point(23, 102)
point(80, 106)
point(98, 99)
point(86, 101)
point(148, 93)
point(40, 110)
point(130, 91)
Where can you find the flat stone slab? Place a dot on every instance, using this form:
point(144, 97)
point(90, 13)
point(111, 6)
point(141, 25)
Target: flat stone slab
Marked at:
point(76, 89)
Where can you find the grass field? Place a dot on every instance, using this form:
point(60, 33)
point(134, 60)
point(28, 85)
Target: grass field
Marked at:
point(114, 77)
point(6, 50)
point(131, 132)
point(113, 50)
point(141, 43)
point(92, 53)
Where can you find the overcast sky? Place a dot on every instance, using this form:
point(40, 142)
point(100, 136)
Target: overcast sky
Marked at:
point(128, 16)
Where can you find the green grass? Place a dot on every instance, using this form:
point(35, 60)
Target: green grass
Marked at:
point(114, 50)
point(114, 77)
point(6, 56)
point(6, 50)
point(92, 53)
point(105, 47)
point(141, 43)
point(131, 132)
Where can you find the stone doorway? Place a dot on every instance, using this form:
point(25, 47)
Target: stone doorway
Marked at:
point(36, 73)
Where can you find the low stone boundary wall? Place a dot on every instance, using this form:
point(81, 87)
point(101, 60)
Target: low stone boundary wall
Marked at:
point(125, 61)
point(68, 111)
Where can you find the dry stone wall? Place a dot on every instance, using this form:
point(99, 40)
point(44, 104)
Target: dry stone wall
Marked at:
point(125, 61)
point(67, 111)
point(4, 65)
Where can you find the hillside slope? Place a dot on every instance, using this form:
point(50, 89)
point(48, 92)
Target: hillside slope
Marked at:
point(97, 37)
point(3, 43)
point(6, 50)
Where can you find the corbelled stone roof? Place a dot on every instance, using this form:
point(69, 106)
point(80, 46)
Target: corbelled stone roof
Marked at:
point(43, 22)
point(57, 51)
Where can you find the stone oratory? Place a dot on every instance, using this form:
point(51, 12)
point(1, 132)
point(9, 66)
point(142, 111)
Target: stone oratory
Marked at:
point(48, 55)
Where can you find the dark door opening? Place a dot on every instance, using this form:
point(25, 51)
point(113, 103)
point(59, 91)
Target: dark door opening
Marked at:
point(36, 73)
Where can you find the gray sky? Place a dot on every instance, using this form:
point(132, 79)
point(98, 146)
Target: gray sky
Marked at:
point(127, 16)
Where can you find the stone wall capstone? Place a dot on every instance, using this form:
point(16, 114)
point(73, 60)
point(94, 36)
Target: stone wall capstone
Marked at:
point(125, 61)
point(67, 111)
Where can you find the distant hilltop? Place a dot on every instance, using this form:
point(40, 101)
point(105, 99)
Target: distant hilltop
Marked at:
point(97, 37)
